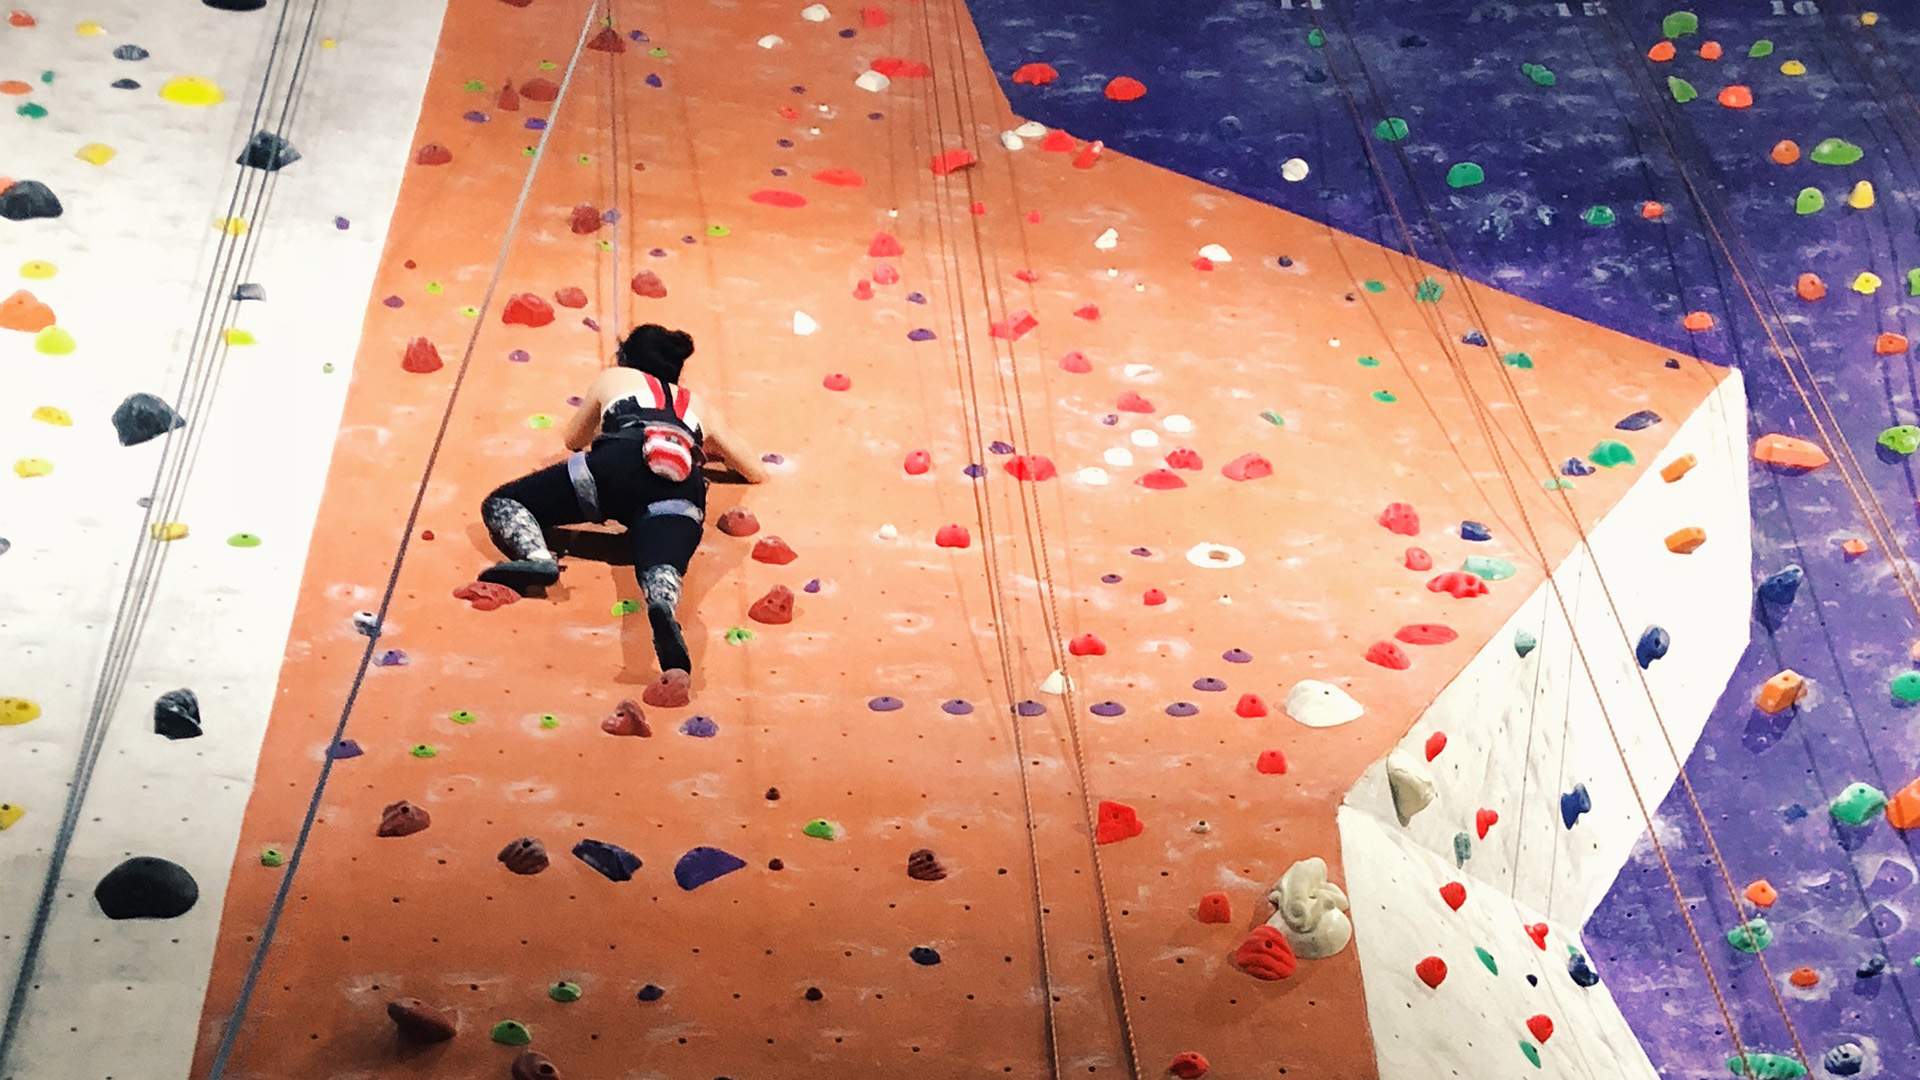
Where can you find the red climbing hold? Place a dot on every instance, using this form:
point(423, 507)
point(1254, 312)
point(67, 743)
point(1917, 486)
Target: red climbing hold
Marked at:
point(21, 20)
point(572, 296)
point(1454, 894)
point(951, 161)
point(952, 536)
point(433, 154)
point(1161, 480)
point(485, 596)
point(1388, 655)
point(509, 100)
point(837, 381)
point(1401, 518)
point(1265, 955)
point(1247, 467)
point(1271, 762)
point(608, 40)
point(977, 209)
point(1459, 583)
point(1126, 88)
point(1201, 262)
point(1484, 819)
point(1432, 971)
point(1188, 1065)
point(1214, 907)
point(1026, 275)
point(1032, 467)
point(1184, 458)
point(863, 290)
point(1014, 326)
point(526, 309)
point(1116, 821)
point(421, 357)
point(1037, 73)
point(840, 177)
point(672, 690)
point(1133, 402)
point(1541, 1027)
point(648, 284)
point(1088, 154)
point(1057, 141)
point(1076, 362)
point(1087, 645)
point(775, 608)
point(738, 521)
point(790, 200)
point(417, 1020)
point(1153, 598)
point(1089, 312)
point(773, 550)
point(1538, 932)
point(1418, 559)
point(627, 719)
point(584, 221)
point(1250, 706)
point(873, 17)
point(540, 89)
point(1426, 634)
point(884, 245)
point(917, 463)
point(893, 67)
point(1436, 742)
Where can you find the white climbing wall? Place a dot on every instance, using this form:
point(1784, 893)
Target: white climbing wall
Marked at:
point(1521, 731)
point(134, 252)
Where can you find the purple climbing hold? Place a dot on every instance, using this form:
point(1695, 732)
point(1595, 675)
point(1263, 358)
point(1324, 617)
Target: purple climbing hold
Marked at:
point(956, 707)
point(612, 861)
point(1209, 684)
point(1145, 553)
point(1576, 467)
point(998, 447)
point(1030, 708)
point(391, 658)
point(476, 117)
point(1473, 530)
point(920, 334)
point(812, 586)
point(394, 302)
point(639, 36)
point(974, 470)
point(1110, 579)
point(848, 32)
point(1182, 708)
point(535, 123)
point(610, 216)
point(703, 864)
point(342, 224)
point(654, 81)
point(885, 703)
point(1108, 708)
point(344, 749)
point(1645, 418)
point(916, 298)
point(700, 727)
point(1237, 656)
point(591, 324)
point(520, 356)
point(1473, 337)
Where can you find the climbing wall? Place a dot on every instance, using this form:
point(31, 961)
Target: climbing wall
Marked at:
point(130, 119)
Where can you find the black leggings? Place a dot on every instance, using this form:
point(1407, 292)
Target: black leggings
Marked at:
point(659, 514)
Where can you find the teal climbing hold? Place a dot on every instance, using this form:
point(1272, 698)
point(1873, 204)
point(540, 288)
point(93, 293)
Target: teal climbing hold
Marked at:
point(1541, 74)
point(1681, 89)
point(1599, 216)
point(1901, 439)
point(1835, 152)
point(1273, 418)
point(1764, 1066)
point(32, 111)
point(1760, 48)
point(1488, 568)
point(1751, 936)
point(1429, 290)
point(1524, 642)
point(1486, 959)
point(1368, 361)
point(1680, 24)
point(1465, 174)
point(1809, 201)
point(1858, 802)
point(1906, 687)
point(1392, 129)
point(1462, 848)
point(1373, 286)
point(1533, 1054)
point(1518, 360)
point(1384, 396)
point(1611, 452)
point(1316, 38)
point(565, 992)
point(511, 1033)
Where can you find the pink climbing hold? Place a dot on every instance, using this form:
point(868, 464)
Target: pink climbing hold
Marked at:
point(1184, 458)
point(526, 309)
point(485, 596)
point(1426, 634)
point(1153, 598)
point(1247, 467)
point(1250, 707)
point(739, 521)
point(786, 200)
point(1032, 467)
point(1484, 819)
point(1161, 480)
point(863, 290)
point(885, 274)
point(837, 381)
point(1214, 907)
point(1538, 932)
point(1540, 1026)
point(884, 246)
point(1432, 970)
point(1087, 645)
point(585, 220)
point(421, 357)
point(917, 463)
point(840, 177)
point(1089, 312)
point(1271, 762)
point(1014, 326)
point(432, 154)
point(773, 551)
point(1401, 518)
point(1076, 362)
point(1388, 655)
point(648, 284)
point(775, 608)
point(1460, 584)
point(1132, 402)
point(1037, 73)
point(952, 536)
point(1116, 821)
point(571, 296)
point(1026, 275)
point(1454, 894)
point(1418, 559)
point(1436, 742)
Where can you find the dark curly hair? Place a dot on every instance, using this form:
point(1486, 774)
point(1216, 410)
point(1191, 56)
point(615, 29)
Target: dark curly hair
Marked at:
point(657, 351)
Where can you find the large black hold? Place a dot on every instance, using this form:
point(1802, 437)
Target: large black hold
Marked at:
point(177, 715)
point(145, 887)
point(268, 150)
point(27, 199)
point(143, 417)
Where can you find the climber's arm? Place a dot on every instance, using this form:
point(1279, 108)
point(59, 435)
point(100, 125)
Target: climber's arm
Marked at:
point(723, 440)
point(585, 423)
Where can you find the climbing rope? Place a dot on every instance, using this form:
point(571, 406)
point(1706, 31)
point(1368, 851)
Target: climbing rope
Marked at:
point(199, 382)
point(230, 1029)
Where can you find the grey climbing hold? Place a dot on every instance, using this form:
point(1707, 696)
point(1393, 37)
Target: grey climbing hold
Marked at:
point(1410, 784)
point(1524, 642)
point(1781, 586)
point(269, 151)
point(1845, 1059)
point(130, 52)
point(1462, 848)
point(177, 715)
point(24, 200)
point(249, 291)
point(143, 417)
point(145, 887)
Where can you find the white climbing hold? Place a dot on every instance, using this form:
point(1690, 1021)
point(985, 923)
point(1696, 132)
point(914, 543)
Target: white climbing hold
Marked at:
point(888, 532)
point(816, 13)
point(803, 323)
point(1032, 129)
point(872, 81)
point(1145, 438)
point(1177, 424)
point(1293, 170)
point(1108, 240)
point(1055, 683)
point(1311, 911)
point(1321, 704)
point(1119, 457)
point(1012, 140)
point(1202, 827)
point(1410, 783)
point(1093, 476)
point(1136, 371)
point(1216, 254)
point(1216, 557)
point(772, 41)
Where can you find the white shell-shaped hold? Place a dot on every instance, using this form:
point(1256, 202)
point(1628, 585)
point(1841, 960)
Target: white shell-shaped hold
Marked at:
point(1055, 683)
point(1012, 140)
point(1108, 240)
point(1032, 129)
point(1293, 170)
point(1136, 371)
point(772, 41)
point(367, 623)
point(1145, 438)
point(1093, 476)
point(803, 323)
point(1119, 457)
point(816, 13)
point(1410, 784)
point(1311, 911)
point(1216, 253)
point(1202, 827)
point(1177, 424)
point(1216, 557)
point(1320, 704)
point(872, 82)
point(888, 532)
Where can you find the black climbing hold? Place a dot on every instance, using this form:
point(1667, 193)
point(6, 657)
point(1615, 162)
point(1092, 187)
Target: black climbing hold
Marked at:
point(1672, 363)
point(125, 84)
point(1645, 418)
point(1532, 979)
point(814, 994)
point(1653, 645)
point(1285, 260)
point(776, 864)
point(6, 545)
point(1413, 41)
point(773, 794)
point(1316, 76)
point(145, 887)
point(249, 291)
point(611, 860)
point(269, 151)
point(235, 5)
point(130, 52)
point(1871, 966)
point(177, 715)
point(651, 992)
point(143, 417)
point(26, 199)
point(924, 956)
point(1580, 971)
point(1781, 585)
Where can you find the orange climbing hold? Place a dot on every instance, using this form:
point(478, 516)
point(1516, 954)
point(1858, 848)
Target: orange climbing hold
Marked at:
point(1678, 467)
point(1854, 547)
point(1697, 321)
point(1710, 50)
point(1785, 152)
point(1810, 288)
point(21, 20)
point(1652, 211)
point(1761, 893)
point(1804, 977)
point(1126, 88)
point(15, 87)
point(1214, 908)
point(1661, 52)
point(1779, 693)
point(1890, 344)
point(1736, 97)
point(24, 312)
point(1788, 452)
point(1686, 541)
point(1903, 810)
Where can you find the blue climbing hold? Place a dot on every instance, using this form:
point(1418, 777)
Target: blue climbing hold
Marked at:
point(703, 864)
point(925, 956)
point(1574, 803)
point(699, 727)
point(650, 992)
point(1580, 971)
point(1782, 585)
point(1473, 337)
point(1576, 467)
point(1473, 530)
point(614, 862)
point(1645, 418)
point(1653, 645)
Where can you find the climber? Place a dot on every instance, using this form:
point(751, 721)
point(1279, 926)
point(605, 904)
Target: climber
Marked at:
point(639, 442)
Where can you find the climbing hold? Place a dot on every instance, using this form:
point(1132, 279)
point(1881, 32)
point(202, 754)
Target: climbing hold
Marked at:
point(1483, 820)
point(1488, 567)
point(1652, 646)
point(738, 521)
point(1250, 706)
point(1903, 810)
point(1780, 692)
point(702, 865)
point(1524, 642)
point(195, 90)
point(1889, 344)
point(1845, 1059)
point(1431, 970)
point(402, 819)
point(1465, 174)
point(10, 815)
point(1321, 705)
point(1473, 530)
point(1125, 88)
point(1804, 977)
point(176, 715)
point(822, 829)
point(1810, 288)
point(1116, 821)
point(1679, 24)
point(1761, 893)
point(1392, 129)
point(1861, 197)
point(1418, 559)
point(1458, 584)
point(1436, 743)
point(1751, 936)
point(511, 1033)
point(1400, 518)
point(1573, 804)
point(1809, 201)
point(1736, 97)
point(773, 551)
point(923, 865)
point(775, 608)
point(1540, 1027)
point(1661, 52)
point(24, 200)
point(951, 161)
point(1611, 452)
point(1410, 785)
point(1462, 848)
point(703, 727)
point(142, 417)
point(924, 955)
point(1453, 894)
point(1188, 1065)
point(1265, 955)
point(267, 151)
point(1035, 74)
point(566, 993)
point(952, 536)
point(612, 861)
point(421, 357)
point(146, 887)
point(421, 1022)
point(24, 312)
point(1788, 452)
point(627, 719)
point(1426, 634)
point(1271, 762)
point(1765, 1066)
point(1759, 49)
point(1580, 970)
point(1310, 910)
point(646, 283)
point(531, 1064)
point(1247, 466)
point(1686, 541)
point(1857, 802)
point(1214, 907)
point(525, 856)
point(526, 309)
point(1903, 439)
point(1835, 152)
point(1866, 283)
point(1388, 655)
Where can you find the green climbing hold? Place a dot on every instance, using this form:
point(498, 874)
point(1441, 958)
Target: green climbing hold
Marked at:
point(1557, 483)
point(1611, 452)
point(549, 722)
point(1906, 687)
point(1519, 360)
point(424, 751)
point(1809, 201)
point(738, 635)
point(1541, 74)
point(1524, 642)
point(1680, 24)
point(511, 1033)
point(1681, 89)
point(1760, 48)
point(434, 288)
point(719, 230)
point(1429, 290)
point(1274, 418)
point(1316, 38)
point(1533, 1054)
point(469, 311)
point(1599, 216)
point(271, 857)
point(1763, 1066)
point(1385, 397)
point(549, 65)
point(1486, 959)
point(1465, 174)
point(1368, 361)
point(565, 992)
point(1902, 439)
point(1488, 568)
point(47, 77)
point(1858, 802)
point(476, 86)
point(540, 421)
point(657, 53)
point(1835, 152)
point(1913, 281)
point(462, 717)
point(249, 540)
point(1373, 286)
point(822, 829)
point(624, 608)
point(1392, 129)
point(1751, 936)
point(32, 111)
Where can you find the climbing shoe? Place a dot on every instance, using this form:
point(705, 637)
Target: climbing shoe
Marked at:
point(523, 575)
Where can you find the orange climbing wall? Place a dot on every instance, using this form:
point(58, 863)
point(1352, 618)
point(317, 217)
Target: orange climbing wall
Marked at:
point(435, 916)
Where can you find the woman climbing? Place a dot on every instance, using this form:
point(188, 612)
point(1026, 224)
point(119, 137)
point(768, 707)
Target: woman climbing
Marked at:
point(639, 440)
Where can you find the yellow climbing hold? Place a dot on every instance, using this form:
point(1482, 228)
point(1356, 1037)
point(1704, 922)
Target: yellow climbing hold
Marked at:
point(328, 43)
point(11, 813)
point(1793, 67)
point(192, 90)
point(1861, 197)
point(15, 711)
point(89, 29)
point(50, 414)
point(169, 530)
point(53, 341)
point(1869, 18)
point(95, 153)
point(1867, 283)
point(237, 336)
point(233, 226)
point(29, 467)
point(38, 269)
